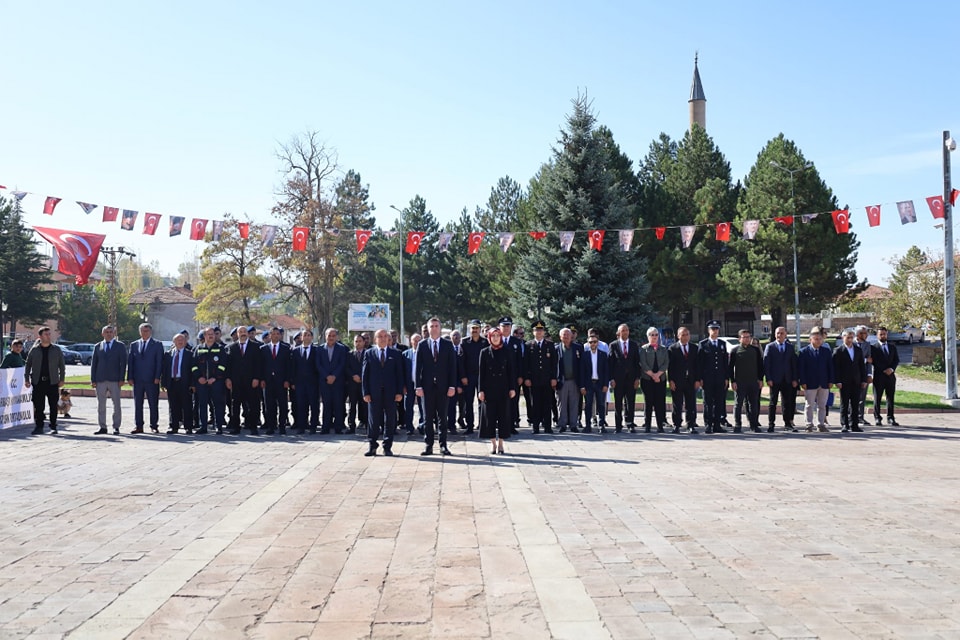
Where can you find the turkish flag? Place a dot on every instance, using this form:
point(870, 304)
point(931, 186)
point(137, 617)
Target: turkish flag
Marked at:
point(873, 215)
point(77, 251)
point(538, 235)
point(362, 237)
point(936, 206)
point(474, 240)
point(784, 220)
point(244, 229)
point(150, 222)
point(414, 238)
point(660, 231)
point(50, 204)
point(841, 221)
point(110, 214)
point(723, 231)
point(953, 197)
point(596, 239)
point(300, 238)
point(198, 229)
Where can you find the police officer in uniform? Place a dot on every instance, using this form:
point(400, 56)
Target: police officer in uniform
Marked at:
point(540, 375)
point(713, 361)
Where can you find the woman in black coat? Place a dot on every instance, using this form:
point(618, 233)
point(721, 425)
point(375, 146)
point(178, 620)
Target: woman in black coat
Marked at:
point(496, 385)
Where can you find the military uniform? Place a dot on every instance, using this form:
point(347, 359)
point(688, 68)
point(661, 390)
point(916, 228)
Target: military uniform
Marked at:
point(713, 363)
point(210, 363)
point(540, 374)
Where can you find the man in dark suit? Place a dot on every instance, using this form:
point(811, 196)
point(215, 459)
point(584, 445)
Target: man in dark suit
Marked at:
point(472, 347)
point(850, 373)
point(245, 371)
point(684, 377)
point(332, 367)
point(177, 379)
point(624, 378)
point(108, 369)
point(783, 378)
point(382, 382)
point(518, 348)
point(540, 376)
point(144, 362)
point(594, 378)
point(275, 382)
point(454, 405)
point(885, 363)
point(436, 383)
point(305, 380)
point(411, 400)
point(358, 408)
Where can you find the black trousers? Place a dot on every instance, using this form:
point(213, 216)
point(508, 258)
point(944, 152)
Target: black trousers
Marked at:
point(382, 418)
point(849, 405)
point(180, 404)
point(358, 408)
point(747, 393)
point(275, 405)
point(245, 397)
point(788, 392)
point(543, 397)
point(44, 391)
point(624, 402)
point(654, 401)
point(684, 400)
point(884, 384)
point(435, 403)
point(714, 402)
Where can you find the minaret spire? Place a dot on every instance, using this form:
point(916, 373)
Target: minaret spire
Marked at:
point(698, 101)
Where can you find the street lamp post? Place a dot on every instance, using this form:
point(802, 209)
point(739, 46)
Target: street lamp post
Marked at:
point(796, 278)
point(949, 294)
point(400, 234)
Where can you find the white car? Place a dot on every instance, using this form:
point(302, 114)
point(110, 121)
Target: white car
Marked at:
point(871, 336)
point(732, 342)
point(909, 335)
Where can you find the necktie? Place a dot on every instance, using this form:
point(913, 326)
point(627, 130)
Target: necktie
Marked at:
point(106, 348)
point(243, 348)
point(624, 347)
point(306, 353)
point(885, 352)
point(274, 351)
point(435, 350)
point(781, 348)
point(714, 344)
point(685, 354)
point(176, 364)
point(383, 357)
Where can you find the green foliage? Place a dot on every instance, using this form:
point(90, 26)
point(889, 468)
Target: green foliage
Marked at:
point(579, 190)
point(353, 209)
point(916, 288)
point(24, 272)
point(83, 312)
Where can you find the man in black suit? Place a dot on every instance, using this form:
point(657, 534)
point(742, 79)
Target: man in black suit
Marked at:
point(245, 370)
point(783, 377)
point(382, 382)
point(472, 347)
point(275, 381)
point(684, 377)
point(885, 363)
point(851, 375)
point(332, 366)
point(436, 383)
point(625, 377)
point(305, 380)
point(540, 376)
point(594, 380)
point(177, 378)
point(517, 347)
point(358, 408)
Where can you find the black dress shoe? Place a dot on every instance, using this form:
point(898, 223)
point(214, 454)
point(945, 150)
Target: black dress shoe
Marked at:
point(445, 451)
point(574, 430)
point(738, 429)
point(202, 431)
point(770, 429)
point(856, 429)
point(618, 429)
point(548, 429)
point(116, 432)
point(387, 450)
point(372, 451)
point(676, 430)
point(879, 422)
point(101, 432)
point(37, 431)
point(137, 430)
point(53, 429)
point(659, 428)
point(755, 429)
point(708, 430)
point(155, 429)
point(719, 430)
point(892, 422)
point(587, 430)
point(693, 430)
point(427, 452)
point(219, 431)
point(170, 431)
point(563, 429)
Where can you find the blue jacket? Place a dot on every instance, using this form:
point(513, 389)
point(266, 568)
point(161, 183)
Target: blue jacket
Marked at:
point(336, 366)
point(144, 361)
point(386, 380)
point(586, 368)
point(186, 367)
point(815, 367)
point(780, 367)
point(109, 366)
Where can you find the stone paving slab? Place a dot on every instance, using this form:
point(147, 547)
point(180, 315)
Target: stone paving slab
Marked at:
point(567, 536)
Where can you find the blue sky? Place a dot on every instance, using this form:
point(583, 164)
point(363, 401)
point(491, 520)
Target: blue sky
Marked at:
point(178, 108)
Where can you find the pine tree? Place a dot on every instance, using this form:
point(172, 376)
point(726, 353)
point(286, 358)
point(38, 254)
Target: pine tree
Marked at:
point(578, 191)
point(354, 211)
point(24, 272)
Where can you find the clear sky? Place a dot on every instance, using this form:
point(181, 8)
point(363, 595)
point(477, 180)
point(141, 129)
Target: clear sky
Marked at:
point(178, 107)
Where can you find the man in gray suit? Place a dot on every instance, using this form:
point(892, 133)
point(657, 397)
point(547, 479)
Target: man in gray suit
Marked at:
point(144, 364)
point(107, 371)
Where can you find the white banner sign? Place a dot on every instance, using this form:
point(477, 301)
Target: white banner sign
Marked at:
point(368, 317)
point(16, 402)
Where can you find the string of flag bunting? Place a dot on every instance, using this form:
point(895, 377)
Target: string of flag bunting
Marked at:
point(300, 234)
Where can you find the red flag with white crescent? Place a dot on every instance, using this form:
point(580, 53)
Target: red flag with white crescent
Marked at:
point(660, 231)
point(474, 240)
point(244, 229)
point(150, 222)
point(363, 235)
point(110, 214)
point(596, 239)
point(300, 238)
point(414, 238)
point(50, 204)
point(953, 197)
point(538, 235)
point(77, 251)
point(841, 221)
point(198, 229)
point(873, 215)
point(936, 206)
point(784, 220)
point(723, 231)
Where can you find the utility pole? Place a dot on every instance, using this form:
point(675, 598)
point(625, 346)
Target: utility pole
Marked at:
point(112, 255)
point(949, 282)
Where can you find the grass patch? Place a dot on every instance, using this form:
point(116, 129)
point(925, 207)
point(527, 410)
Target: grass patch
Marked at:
point(917, 372)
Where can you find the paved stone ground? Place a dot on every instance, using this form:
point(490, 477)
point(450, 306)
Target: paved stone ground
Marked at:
point(566, 536)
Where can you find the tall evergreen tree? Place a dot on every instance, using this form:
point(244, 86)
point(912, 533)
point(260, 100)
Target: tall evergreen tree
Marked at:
point(761, 272)
point(578, 191)
point(24, 272)
point(352, 207)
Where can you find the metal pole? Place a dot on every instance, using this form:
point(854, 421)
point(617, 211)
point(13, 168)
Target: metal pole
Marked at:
point(949, 293)
point(112, 256)
point(796, 277)
point(400, 235)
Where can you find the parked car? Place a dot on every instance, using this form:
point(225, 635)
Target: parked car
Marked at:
point(732, 342)
point(85, 349)
point(871, 336)
point(909, 335)
point(70, 356)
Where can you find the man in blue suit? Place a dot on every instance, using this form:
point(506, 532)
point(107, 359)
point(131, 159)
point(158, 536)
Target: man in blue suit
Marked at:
point(177, 378)
point(436, 383)
point(332, 367)
point(410, 397)
point(306, 382)
point(382, 380)
point(815, 370)
point(275, 381)
point(594, 381)
point(783, 378)
point(144, 363)
point(107, 372)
